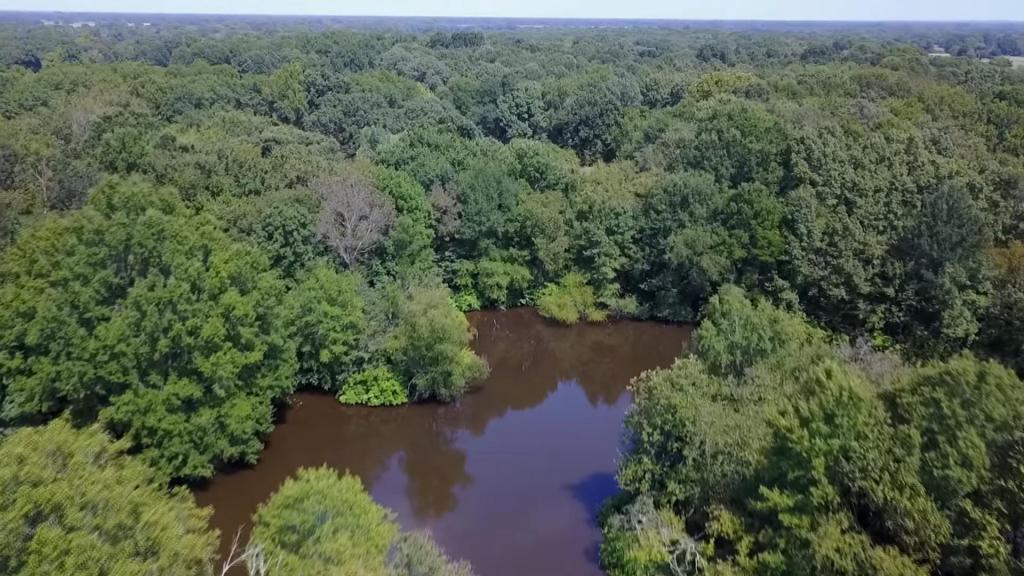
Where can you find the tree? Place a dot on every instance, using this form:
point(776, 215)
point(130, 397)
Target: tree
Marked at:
point(1002, 332)
point(487, 198)
point(416, 554)
point(281, 224)
point(604, 223)
point(736, 140)
point(544, 226)
point(134, 312)
point(780, 459)
point(966, 413)
point(429, 347)
point(236, 153)
point(588, 116)
point(354, 216)
point(76, 503)
point(521, 112)
point(286, 92)
point(739, 333)
point(946, 272)
point(325, 312)
point(320, 522)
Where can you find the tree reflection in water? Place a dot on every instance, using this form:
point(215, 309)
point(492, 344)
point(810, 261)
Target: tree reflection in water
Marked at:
point(419, 459)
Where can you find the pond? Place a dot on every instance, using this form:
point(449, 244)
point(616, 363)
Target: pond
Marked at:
point(509, 478)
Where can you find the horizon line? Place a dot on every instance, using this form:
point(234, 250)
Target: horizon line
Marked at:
point(498, 17)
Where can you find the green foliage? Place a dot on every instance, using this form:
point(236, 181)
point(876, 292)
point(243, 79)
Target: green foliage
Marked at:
point(946, 272)
point(237, 154)
point(842, 174)
point(320, 522)
point(697, 235)
point(416, 554)
point(604, 224)
point(726, 82)
point(286, 91)
point(586, 111)
point(280, 224)
point(75, 503)
point(150, 319)
point(409, 197)
point(569, 301)
point(377, 386)
point(544, 166)
point(736, 140)
point(783, 459)
point(1002, 332)
point(641, 540)
point(966, 413)
point(325, 312)
point(738, 334)
point(544, 226)
point(487, 198)
point(493, 282)
point(521, 112)
point(381, 100)
point(847, 483)
point(429, 347)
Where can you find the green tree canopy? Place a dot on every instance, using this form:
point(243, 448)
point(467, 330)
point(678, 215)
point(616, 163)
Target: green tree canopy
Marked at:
point(778, 456)
point(74, 503)
point(150, 319)
point(323, 523)
point(429, 347)
point(325, 311)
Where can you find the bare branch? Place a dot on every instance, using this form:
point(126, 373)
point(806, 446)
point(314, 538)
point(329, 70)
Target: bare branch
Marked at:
point(445, 200)
point(354, 216)
point(252, 557)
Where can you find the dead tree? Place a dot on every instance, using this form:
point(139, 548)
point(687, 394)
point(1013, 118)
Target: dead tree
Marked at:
point(354, 216)
point(251, 558)
point(445, 200)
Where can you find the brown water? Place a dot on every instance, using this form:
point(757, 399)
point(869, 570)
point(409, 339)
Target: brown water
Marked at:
point(511, 477)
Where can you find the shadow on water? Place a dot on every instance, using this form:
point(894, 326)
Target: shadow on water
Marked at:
point(511, 477)
point(592, 491)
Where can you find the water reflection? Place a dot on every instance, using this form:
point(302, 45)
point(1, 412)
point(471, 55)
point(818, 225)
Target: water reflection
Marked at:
point(511, 476)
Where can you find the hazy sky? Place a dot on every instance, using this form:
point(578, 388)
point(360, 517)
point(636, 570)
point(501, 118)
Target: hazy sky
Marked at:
point(685, 9)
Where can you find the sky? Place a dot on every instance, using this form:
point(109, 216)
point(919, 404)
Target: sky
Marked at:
point(675, 9)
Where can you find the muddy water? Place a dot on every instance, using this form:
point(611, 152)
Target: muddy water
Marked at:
point(510, 478)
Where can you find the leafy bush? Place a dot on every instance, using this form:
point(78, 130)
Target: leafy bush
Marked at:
point(376, 386)
point(492, 282)
point(569, 301)
point(416, 554)
point(429, 347)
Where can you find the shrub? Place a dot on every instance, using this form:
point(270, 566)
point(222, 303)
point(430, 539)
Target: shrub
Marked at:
point(376, 386)
point(570, 300)
point(429, 347)
point(416, 554)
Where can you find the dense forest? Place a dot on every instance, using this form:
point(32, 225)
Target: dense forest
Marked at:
point(198, 220)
